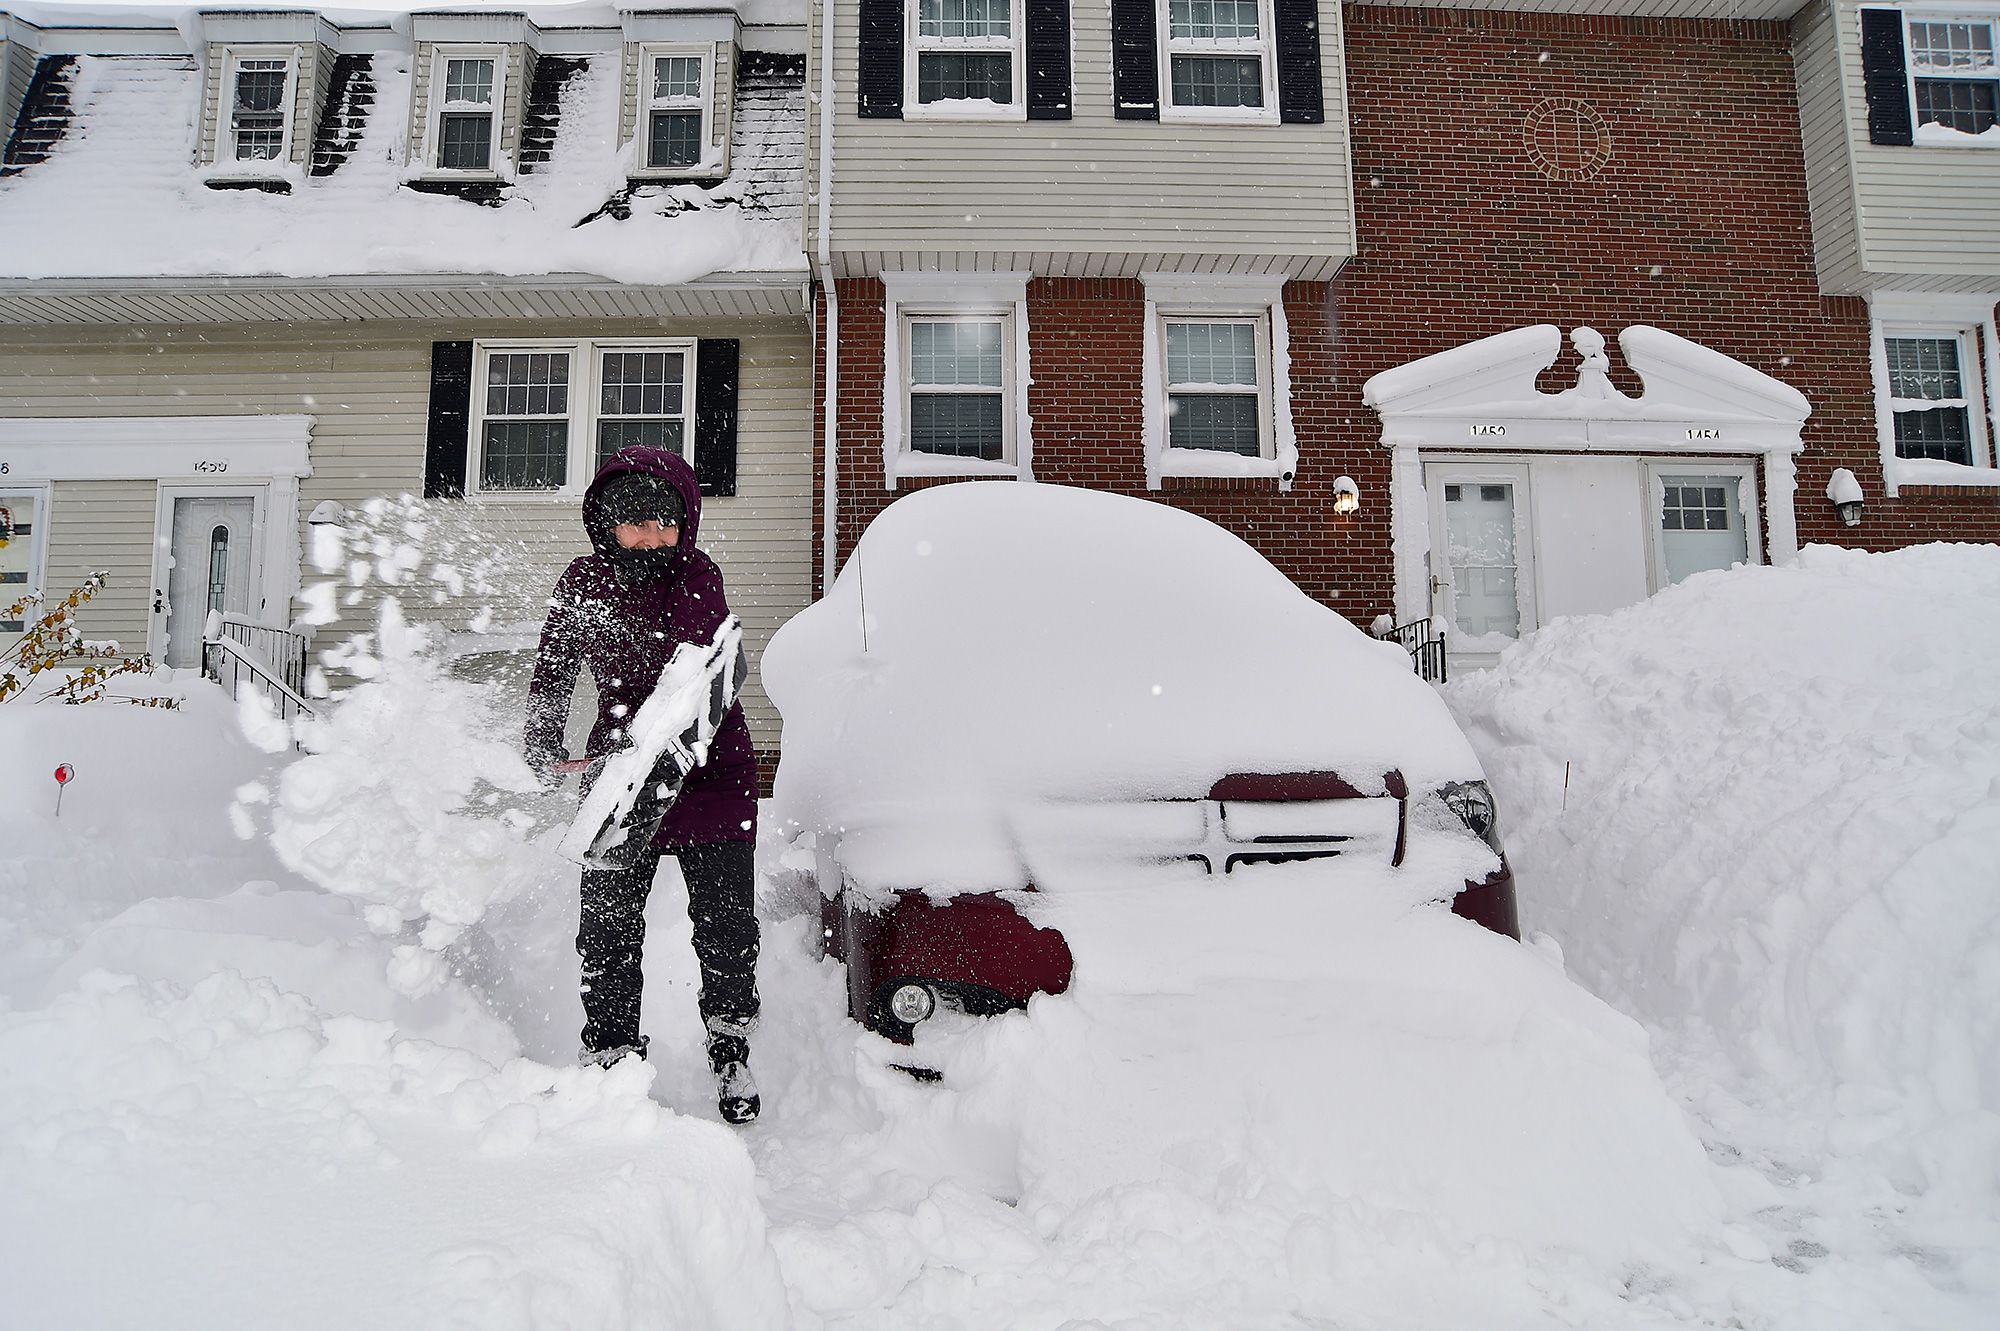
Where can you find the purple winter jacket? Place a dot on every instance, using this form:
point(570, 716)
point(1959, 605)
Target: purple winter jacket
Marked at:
point(625, 634)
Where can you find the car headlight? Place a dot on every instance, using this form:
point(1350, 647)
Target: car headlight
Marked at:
point(1471, 802)
point(912, 1003)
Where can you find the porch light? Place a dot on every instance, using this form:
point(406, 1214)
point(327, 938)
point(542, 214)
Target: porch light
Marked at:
point(1346, 495)
point(912, 1003)
point(1845, 492)
point(327, 513)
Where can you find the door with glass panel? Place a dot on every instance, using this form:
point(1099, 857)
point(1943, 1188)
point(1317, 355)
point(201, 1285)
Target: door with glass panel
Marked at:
point(1482, 555)
point(1699, 521)
point(213, 568)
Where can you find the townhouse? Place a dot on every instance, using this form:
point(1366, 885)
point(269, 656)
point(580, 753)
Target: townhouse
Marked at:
point(1476, 313)
point(260, 267)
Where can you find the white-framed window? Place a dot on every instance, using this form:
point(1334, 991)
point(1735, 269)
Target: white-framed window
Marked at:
point(1218, 383)
point(23, 547)
point(1954, 76)
point(1218, 60)
point(257, 100)
point(1934, 361)
point(676, 87)
point(545, 415)
point(467, 96)
point(964, 58)
point(1217, 378)
point(955, 372)
point(955, 399)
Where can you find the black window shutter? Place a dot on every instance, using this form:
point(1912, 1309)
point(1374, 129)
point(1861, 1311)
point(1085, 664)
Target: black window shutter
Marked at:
point(1883, 77)
point(1048, 60)
point(451, 411)
point(717, 362)
point(881, 56)
point(1297, 25)
point(1135, 61)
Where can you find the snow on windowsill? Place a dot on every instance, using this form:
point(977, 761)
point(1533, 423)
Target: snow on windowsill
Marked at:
point(926, 464)
point(1929, 471)
point(1944, 136)
point(965, 108)
point(1201, 462)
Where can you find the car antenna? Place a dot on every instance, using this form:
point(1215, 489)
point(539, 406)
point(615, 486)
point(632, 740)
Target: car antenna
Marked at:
point(861, 581)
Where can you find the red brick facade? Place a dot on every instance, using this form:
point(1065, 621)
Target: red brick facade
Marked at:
point(1696, 221)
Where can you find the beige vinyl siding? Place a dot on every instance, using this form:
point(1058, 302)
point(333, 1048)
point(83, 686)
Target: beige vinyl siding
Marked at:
point(104, 525)
point(212, 95)
point(513, 61)
point(1926, 215)
point(721, 100)
point(369, 394)
point(1823, 131)
point(1254, 196)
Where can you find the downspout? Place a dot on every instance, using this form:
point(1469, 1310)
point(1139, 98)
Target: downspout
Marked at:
point(823, 264)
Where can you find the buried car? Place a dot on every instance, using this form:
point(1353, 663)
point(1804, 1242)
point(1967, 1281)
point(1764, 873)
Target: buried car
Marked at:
point(1014, 692)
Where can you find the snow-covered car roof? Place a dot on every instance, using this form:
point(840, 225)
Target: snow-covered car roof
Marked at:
point(995, 645)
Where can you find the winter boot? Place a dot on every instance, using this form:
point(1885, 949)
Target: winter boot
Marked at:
point(604, 1058)
point(729, 1058)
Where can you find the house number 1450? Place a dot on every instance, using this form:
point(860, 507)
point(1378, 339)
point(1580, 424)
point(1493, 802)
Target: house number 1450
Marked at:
point(211, 467)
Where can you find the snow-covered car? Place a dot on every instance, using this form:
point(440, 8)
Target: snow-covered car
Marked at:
point(1014, 692)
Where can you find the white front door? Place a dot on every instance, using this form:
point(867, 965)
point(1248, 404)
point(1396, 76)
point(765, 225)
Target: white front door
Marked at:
point(1482, 554)
point(213, 566)
point(1700, 520)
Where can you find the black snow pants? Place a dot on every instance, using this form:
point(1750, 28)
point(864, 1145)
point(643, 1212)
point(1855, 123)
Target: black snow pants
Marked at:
point(721, 881)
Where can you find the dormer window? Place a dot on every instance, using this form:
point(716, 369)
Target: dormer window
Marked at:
point(468, 95)
point(675, 91)
point(259, 89)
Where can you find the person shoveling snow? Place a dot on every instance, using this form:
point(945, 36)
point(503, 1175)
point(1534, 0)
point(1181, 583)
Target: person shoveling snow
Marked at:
point(623, 611)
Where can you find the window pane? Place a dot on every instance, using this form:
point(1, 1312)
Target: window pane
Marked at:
point(963, 18)
point(524, 455)
point(260, 85)
point(956, 352)
point(259, 138)
point(641, 383)
point(469, 81)
point(1941, 433)
point(614, 435)
point(1923, 367)
point(977, 76)
point(1951, 47)
point(964, 425)
point(1211, 353)
point(527, 383)
point(1219, 422)
point(677, 76)
point(17, 551)
point(1206, 20)
point(1961, 104)
point(675, 140)
point(465, 143)
point(1201, 80)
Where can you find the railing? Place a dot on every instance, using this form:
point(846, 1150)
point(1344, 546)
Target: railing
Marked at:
point(1423, 641)
point(235, 650)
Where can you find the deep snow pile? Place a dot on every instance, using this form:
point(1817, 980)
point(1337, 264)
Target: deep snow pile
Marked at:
point(1761, 812)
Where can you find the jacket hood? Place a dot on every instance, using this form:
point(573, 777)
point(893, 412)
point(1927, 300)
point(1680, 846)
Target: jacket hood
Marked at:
point(663, 463)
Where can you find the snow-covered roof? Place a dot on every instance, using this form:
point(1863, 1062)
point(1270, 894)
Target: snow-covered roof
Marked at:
point(119, 194)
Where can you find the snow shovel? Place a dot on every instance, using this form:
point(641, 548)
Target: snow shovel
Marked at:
point(667, 738)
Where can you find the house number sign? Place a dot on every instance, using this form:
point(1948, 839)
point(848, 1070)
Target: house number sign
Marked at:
point(1704, 432)
point(1483, 429)
point(214, 466)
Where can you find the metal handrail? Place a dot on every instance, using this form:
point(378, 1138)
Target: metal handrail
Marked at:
point(227, 657)
point(1425, 644)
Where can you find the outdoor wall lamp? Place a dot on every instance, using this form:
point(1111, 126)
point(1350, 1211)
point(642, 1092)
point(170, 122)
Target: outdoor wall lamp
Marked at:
point(1346, 495)
point(1845, 492)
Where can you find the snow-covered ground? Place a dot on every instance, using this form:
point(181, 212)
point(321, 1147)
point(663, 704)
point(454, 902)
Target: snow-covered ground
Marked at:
point(287, 1040)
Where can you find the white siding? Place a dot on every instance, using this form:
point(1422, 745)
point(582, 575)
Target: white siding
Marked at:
point(1823, 130)
point(369, 394)
point(1258, 197)
point(1929, 218)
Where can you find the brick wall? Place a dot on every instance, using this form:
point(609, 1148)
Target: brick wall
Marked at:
point(1696, 221)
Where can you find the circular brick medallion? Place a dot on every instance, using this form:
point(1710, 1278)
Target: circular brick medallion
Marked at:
point(1567, 139)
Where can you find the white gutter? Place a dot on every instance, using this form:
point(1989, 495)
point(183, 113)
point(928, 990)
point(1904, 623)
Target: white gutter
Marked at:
point(830, 403)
